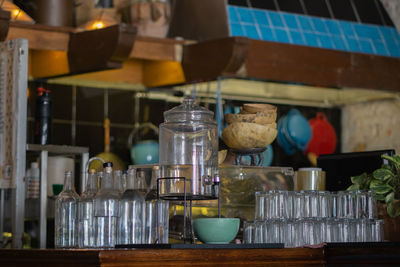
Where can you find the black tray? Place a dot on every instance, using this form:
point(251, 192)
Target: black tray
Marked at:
point(201, 246)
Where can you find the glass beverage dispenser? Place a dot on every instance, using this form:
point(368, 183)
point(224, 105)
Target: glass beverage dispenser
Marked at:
point(188, 149)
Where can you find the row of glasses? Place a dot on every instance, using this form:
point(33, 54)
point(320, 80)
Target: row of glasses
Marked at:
point(278, 204)
point(312, 231)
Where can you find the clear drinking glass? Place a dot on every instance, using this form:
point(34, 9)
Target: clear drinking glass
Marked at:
point(288, 232)
point(106, 210)
point(334, 204)
point(132, 213)
point(298, 205)
point(248, 232)
point(66, 216)
point(157, 213)
point(290, 204)
point(346, 204)
point(260, 209)
point(378, 231)
point(372, 207)
point(347, 230)
point(272, 230)
point(86, 212)
point(298, 235)
point(279, 204)
point(259, 233)
point(332, 230)
point(157, 222)
point(324, 204)
point(361, 209)
point(321, 230)
point(311, 203)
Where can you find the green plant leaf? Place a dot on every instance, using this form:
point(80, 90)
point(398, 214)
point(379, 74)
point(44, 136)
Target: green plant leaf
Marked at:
point(380, 187)
point(394, 159)
point(380, 198)
point(387, 167)
point(383, 174)
point(353, 187)
point(360, 179)
point(393, 208)
point(389, 197)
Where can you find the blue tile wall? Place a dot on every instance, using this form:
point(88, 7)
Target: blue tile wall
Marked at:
point(312, 31)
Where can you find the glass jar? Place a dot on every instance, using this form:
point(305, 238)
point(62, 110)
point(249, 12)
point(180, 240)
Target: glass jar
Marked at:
point(65, 216)
point(188, 148)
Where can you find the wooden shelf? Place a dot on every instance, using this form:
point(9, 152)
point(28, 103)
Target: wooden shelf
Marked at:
point(200, 257)
point(150, 62)
point(155, 62)
point(42, 37)
point(272, 61)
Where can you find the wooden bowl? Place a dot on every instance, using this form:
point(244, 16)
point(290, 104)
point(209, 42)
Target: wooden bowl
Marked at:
point(243, 135)
point(254, 108)
point(259, 118)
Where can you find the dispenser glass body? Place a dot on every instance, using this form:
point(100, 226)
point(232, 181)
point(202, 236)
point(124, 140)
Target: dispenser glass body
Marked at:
point(188, 149)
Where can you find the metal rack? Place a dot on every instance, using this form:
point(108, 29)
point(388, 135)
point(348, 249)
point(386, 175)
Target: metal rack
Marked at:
point(188, 197)
point(44, 151)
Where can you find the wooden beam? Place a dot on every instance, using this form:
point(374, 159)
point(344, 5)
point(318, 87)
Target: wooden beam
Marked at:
point(43, 37)
point(242, 57)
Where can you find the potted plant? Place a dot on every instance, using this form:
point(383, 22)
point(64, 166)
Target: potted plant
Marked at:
point(385, 181)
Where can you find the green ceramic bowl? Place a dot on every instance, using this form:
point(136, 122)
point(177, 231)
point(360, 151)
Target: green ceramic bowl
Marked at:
point(216, 230)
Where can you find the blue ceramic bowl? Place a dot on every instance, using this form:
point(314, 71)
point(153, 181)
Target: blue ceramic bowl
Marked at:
point(216, 230)
point(145, 152)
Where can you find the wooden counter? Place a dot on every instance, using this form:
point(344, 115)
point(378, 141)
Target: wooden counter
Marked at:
point(378, 256)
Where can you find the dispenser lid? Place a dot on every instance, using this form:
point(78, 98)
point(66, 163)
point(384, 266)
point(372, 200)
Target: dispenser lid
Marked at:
point(189, 111)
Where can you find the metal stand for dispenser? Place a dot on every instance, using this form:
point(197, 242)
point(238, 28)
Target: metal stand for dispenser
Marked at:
point(189, 198)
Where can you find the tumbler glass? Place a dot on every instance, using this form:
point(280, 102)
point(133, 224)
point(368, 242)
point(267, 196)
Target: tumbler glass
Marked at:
point(332, 230)
point(288, 233)
point(298, 205)
point(372, 208)
point(363, 230)
point(347, 230)
point(333, 197)
point(346, 204)
point(272, 231)
point(260, 208)
point(279, 201)
point(378, 231)
point(290, 209)
point(259, 233)
point(324, 204)
point(248, 232)
point(361, 210)
point(311, 203)
point(309, 231)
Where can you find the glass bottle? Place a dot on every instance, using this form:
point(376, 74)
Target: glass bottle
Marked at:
point(132, 220)
point(117, 180)
point(65, 217)
point(106, 210)
point(85, 212)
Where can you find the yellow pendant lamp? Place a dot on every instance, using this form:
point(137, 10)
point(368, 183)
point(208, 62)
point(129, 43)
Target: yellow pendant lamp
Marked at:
point(17, 14)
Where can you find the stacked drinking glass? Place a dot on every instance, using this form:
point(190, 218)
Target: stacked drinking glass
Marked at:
point(313, 217)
